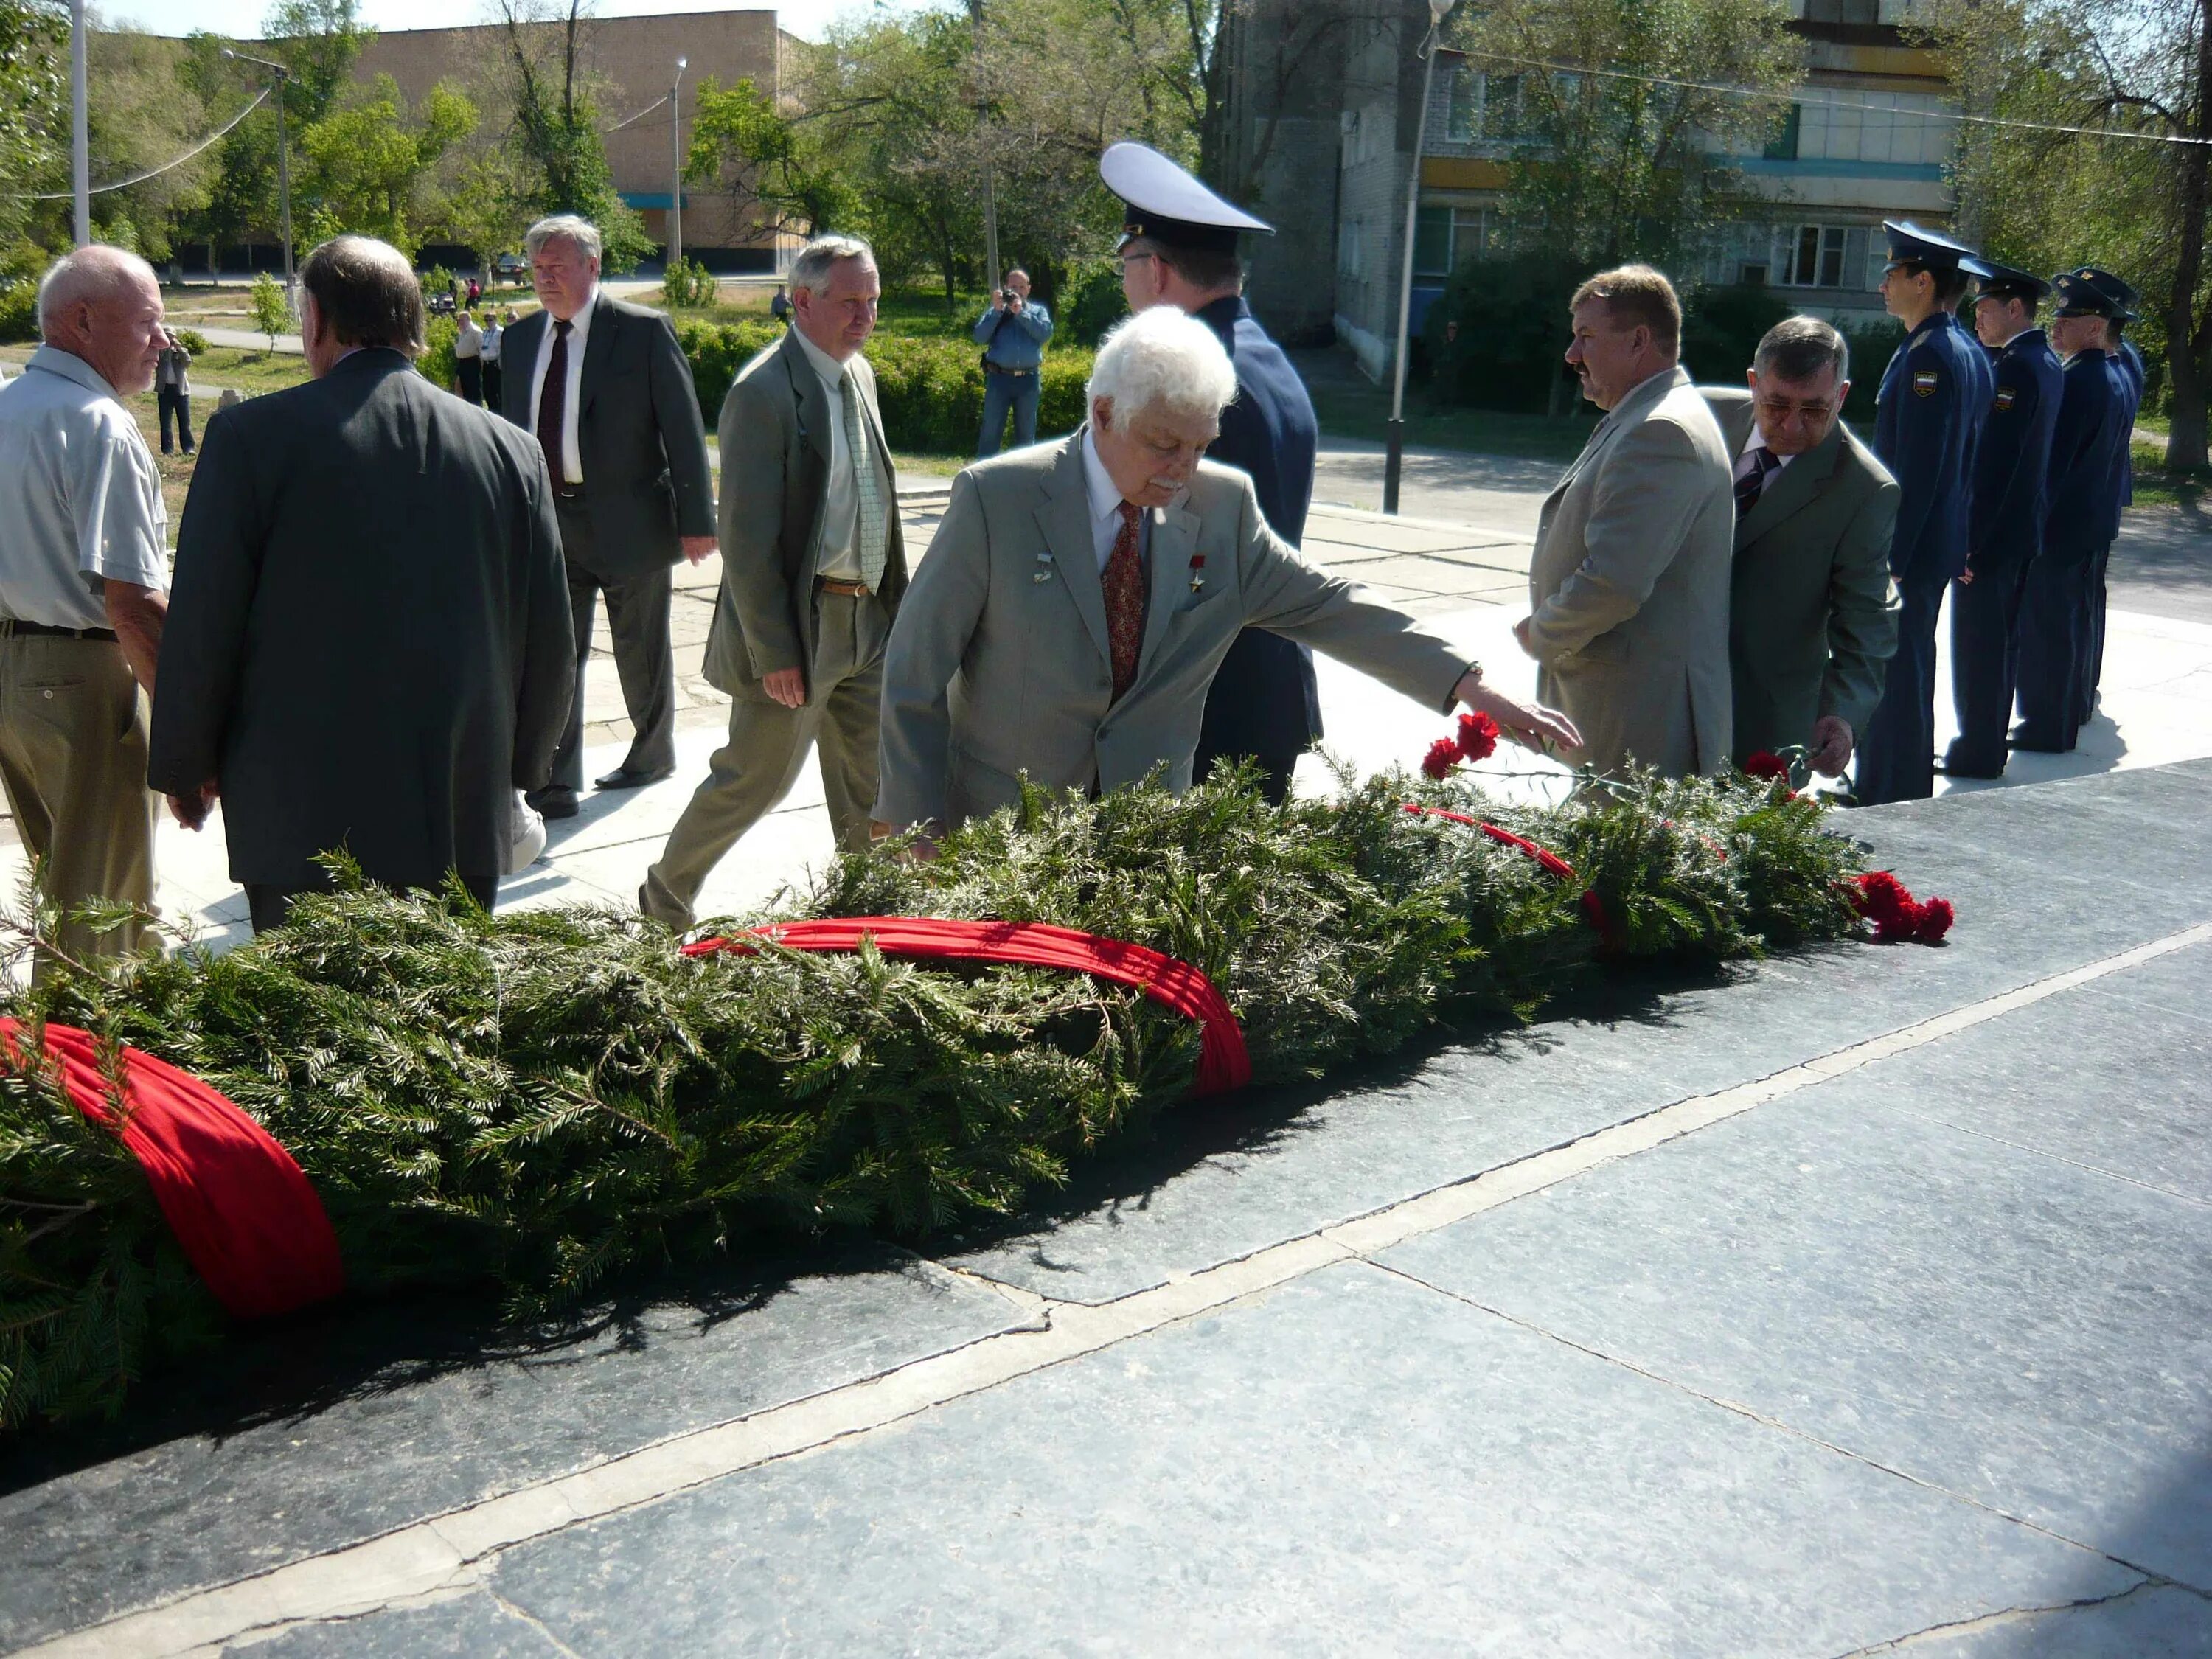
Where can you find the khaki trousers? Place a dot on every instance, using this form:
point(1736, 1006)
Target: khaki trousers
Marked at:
point(73, 760)
point(768, 745)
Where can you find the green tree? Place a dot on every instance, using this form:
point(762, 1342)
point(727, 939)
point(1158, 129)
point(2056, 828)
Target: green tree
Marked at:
point(556, 131)
point(271, 314)
point(739, 141)
point(1640, 163)
point(33, 103)
point(371, 162)
point(2041, 196)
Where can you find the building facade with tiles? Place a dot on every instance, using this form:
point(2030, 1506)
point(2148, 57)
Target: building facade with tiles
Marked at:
point(1866, 142)
point(632, 61)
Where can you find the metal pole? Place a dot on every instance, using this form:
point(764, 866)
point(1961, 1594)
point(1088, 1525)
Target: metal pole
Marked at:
point(991, 275)
point(80, 140)
point(1394, 462)
point(676, 161)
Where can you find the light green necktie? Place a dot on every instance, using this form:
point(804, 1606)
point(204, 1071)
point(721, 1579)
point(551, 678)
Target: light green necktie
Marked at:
point(867, 488)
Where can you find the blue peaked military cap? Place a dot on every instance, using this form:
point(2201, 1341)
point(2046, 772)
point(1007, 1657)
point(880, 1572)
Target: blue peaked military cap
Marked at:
point(1164, 203)
point(2011, 283)
point(1910, 244)
point(2089, 292)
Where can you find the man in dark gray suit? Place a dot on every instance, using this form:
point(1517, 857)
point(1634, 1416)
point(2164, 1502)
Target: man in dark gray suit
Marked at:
point(607, 391)
point(1812, 611)
point(367, 645)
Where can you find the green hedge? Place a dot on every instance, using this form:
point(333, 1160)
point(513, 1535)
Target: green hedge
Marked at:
point(931, 390)
point(19, 311)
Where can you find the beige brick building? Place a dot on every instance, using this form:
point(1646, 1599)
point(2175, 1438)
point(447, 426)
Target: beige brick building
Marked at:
point(632, 61)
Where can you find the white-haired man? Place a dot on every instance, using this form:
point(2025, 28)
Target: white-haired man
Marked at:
point(83, 587)
point(605, 388)
point(1078, 598)
point(813, 570)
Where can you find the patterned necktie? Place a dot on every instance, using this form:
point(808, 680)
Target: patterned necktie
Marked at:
point(553, 403)
point(867, 488)
point(1124, 599)
point(1749, 486)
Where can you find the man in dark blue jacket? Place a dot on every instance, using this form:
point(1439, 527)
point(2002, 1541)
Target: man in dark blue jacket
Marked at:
point(1929, 416)
point(2130, 363)
point(1179, 248)
point(2005, 527)
point(2055, 616)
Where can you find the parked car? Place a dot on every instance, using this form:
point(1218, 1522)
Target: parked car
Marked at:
point(512, 266)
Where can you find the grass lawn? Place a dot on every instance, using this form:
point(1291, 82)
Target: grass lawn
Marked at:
point(1350, 410)
point(2155, 486)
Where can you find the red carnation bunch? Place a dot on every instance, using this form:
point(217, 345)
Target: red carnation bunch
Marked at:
point(1766, 765)
point(1478, 737)
point(1443, 756)
point(1897, 916)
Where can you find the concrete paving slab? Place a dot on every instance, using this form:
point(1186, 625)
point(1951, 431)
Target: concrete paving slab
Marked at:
point(2157, 1621)
point(342, 1427)
point(471, 1626)
point(1997, 1322)
point(1349, 1463)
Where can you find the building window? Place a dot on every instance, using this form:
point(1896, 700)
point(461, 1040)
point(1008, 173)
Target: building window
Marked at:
point(1463, 113)
point(1446, 238)
point(1783, 145)
point(1813, 256)
point(1843, 11)
point(1349, 244)
point(1481, 107)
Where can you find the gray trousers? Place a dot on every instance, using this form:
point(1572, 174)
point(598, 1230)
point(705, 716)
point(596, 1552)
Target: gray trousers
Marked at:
point(768, 745)
point(645, 661)
point(73, 760)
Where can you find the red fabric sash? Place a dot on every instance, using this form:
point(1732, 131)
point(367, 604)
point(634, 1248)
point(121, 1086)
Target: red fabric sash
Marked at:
point(245, 1215)
point(1594, 910)
point(1222, 1062)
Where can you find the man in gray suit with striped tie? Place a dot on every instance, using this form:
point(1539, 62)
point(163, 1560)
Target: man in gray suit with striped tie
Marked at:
point(812, 572)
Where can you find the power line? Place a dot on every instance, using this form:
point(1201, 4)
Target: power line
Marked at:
point(639, 116)
point(151, 173)
point(1815, 100)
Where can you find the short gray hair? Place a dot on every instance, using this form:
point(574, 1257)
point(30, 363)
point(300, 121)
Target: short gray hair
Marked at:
point(563, 227)
point(1162, 358)
point(93, 276)
point(810, 270)
point(1797, 349)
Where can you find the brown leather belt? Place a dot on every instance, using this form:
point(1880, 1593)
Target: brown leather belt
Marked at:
point(844, 589)
point(1018, 373)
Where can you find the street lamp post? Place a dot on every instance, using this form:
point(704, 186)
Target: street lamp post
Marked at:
point(284, 159)
point(1395, 462)
point(992, 275)
point(675, 167)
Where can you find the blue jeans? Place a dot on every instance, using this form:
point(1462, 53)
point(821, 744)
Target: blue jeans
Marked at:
point(1001, 393)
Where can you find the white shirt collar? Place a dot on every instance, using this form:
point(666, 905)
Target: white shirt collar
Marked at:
point(1755, 441)
point(831, 371)
point(581, 323)
point(55, 359)
point(1105, 493)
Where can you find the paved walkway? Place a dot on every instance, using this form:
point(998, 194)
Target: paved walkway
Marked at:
point(1853, 1302)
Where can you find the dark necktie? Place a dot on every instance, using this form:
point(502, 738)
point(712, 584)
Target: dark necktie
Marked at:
point(553, 403)
point(1749, 486)
point(1124, 599)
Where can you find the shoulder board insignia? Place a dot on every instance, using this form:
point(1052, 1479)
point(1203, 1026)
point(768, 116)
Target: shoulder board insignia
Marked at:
point(2007, 396)
point(1925, 382)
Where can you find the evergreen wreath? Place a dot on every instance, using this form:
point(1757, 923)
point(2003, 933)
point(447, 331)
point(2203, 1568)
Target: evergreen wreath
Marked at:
point(533, 1101)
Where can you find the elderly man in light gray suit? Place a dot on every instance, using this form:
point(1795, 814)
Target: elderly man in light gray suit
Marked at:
point(1079, 595)
point(1629, 586)
point(813, 569)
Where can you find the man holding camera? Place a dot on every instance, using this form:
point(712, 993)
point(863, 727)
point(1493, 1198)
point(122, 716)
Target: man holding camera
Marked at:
point(1012, 333)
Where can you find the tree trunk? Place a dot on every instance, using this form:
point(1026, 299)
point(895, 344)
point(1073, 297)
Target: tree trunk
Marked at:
point(2188, 330)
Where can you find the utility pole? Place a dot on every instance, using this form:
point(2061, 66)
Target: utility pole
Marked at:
point(80, 142)
point(991, 275)
point(1394, 461)
point(284, 165)
point(675, 167)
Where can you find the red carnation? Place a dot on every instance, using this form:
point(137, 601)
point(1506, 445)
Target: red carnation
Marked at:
point(1897, 916)
point(1443, 756)
point(1935, 918)
point(1765, 764)
point(1478, 737)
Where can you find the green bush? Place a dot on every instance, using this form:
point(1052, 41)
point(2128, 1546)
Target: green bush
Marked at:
point(1091, 302)
point(1512, 317)
point(437, 362)
point(931, 390)
point(688, 283)
point(192, 341)
point(272, 312)
point(19, 310)
point(1872, 344)
point(1723, 328)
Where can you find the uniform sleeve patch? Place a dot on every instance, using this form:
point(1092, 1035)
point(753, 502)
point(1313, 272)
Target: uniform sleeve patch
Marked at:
point(2007, 396)
point(1925, 381)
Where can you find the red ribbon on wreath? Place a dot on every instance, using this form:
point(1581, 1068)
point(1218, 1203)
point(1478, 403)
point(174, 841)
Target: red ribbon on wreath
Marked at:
point(1594, 910)
point(245, 1215)
point(1222, 1062)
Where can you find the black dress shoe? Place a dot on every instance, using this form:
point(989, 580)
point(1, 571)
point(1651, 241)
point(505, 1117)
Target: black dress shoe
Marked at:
point(555, 800)
point(623, 778)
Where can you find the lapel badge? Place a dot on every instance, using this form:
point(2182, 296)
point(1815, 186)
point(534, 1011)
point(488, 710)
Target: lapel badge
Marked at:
point(1197, 572)
point(1044, 569)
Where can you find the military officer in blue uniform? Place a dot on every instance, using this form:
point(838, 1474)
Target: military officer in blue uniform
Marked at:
point(2054, 611)
point(1179, 248)
point(2122, 350)
point(2005, 521)
point(1929, 416)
